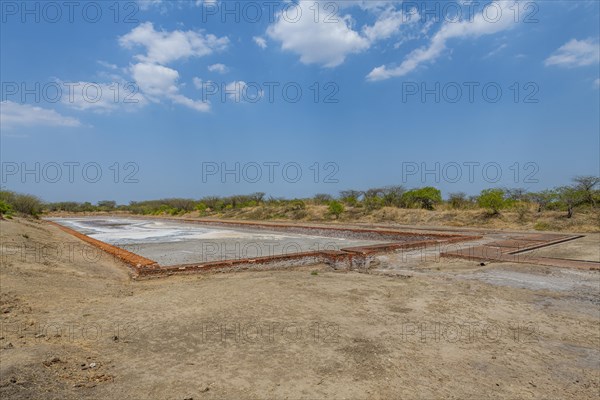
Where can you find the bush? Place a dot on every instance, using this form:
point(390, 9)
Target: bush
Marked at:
point(493, 200)
point(201, 208)
point(426, 197)
point(5, 208)
point(336, 208)
point(458, 200)
point(322, 198)
point(295, 205)
point(23, 203)
point(107, 205)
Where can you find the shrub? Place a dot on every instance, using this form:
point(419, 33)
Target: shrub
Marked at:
point(5, 208)
point(107, 205)
point(458, 200)
point(22, 203)
point(336, 208)
point(295, 205)
point(426, 197)
point(201, 208)
point(322, 198)
point(350, 197)
point(493, 200)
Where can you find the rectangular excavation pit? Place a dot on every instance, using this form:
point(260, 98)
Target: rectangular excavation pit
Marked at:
point(167, 246)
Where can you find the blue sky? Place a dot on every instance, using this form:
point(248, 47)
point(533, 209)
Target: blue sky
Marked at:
point(170, 93)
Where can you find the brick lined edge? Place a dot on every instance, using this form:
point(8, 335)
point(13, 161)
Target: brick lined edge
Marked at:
point(133, 260)
point(350, 258)
point(518, 249)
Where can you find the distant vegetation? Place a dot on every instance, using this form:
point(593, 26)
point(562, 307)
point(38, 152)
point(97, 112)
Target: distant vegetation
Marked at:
point(25, 204)
point(582, 195)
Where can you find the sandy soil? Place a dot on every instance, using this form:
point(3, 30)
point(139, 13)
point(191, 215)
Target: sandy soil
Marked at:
point(75, 326)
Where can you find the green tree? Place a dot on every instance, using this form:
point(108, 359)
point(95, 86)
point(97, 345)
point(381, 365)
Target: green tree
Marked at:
point(426, 197)
point(586, 185)
point(543, 199)
point(107, 205)
point(493, 200)
point(571, 197)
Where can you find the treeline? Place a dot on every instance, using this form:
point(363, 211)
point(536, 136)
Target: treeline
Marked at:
point(581, 193)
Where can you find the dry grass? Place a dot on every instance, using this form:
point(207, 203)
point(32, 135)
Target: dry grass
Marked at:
point(585, 220)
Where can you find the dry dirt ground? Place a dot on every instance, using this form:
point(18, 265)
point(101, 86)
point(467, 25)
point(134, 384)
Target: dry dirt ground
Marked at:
point(75, 326)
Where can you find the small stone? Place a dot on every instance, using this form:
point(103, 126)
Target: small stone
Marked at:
point(8, 346)
point(13, 380)
point(39, 335)
point(115, 338)
point(92, 365)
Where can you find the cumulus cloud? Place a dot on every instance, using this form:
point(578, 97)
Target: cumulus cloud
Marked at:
point(575, 53)
point(163, 47)
point(388, 24)
point(328, 35)
point(157, 82)
point(479, 26)
point(14, 115)
point(322, 42)
point(220, 68)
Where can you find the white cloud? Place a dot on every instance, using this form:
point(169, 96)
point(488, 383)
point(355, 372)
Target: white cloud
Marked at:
point(197, 82)
point(482, 24)
point(157, 82)
point(207, 2)
point(239, 91)
point(107, 65)
point(220, 68)
point(13, 115)
point(260, 41)
point(163, 47)
point(323, 42)
point(575, 53)
point(148, 4)
point(597, 83)
point(193, 104)
point(327, 36)
point(101, 97)
point(388, 23)
point(496, 50)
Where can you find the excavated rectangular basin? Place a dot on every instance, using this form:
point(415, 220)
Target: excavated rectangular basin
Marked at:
point(171, 242)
